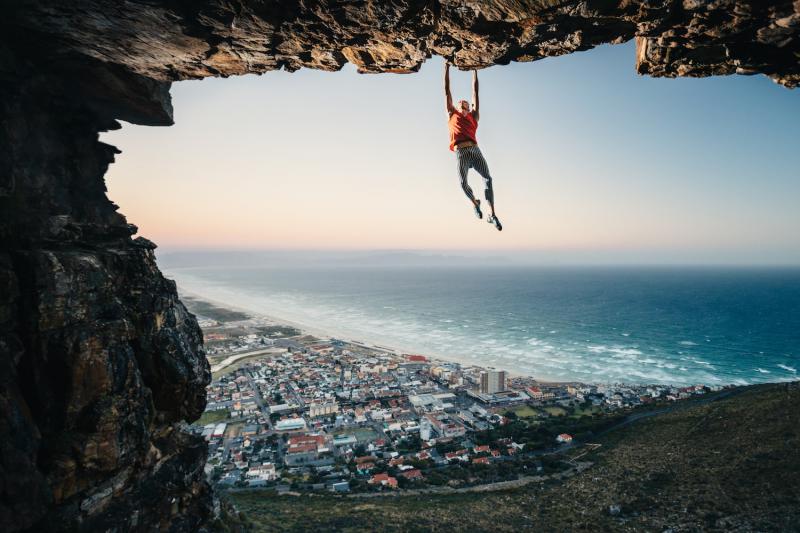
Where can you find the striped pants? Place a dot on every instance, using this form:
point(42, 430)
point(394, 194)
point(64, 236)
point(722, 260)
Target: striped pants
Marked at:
point(471, 157)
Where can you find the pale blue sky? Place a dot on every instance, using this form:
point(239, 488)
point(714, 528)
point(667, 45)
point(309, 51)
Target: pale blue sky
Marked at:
point(590, 161)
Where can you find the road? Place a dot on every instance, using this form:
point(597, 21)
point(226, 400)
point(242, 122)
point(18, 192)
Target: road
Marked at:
point(260, 401)
point(487, 487)
point(236, 357)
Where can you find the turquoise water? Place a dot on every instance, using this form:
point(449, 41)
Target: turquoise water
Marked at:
point(645, 325)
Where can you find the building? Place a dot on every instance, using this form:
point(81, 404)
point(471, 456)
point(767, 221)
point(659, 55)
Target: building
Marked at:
point(304, 449)
point(537, 393)
point(564, 438)
point(425, 429)
point(302, 453)
point(383, 480)
point(264, 472)
point(441, 427)
point(412, 475)
point(493, 381)
point(323, 409)
point(290, 424)
point(280, 408)
point(341, 486)
point(251, 430)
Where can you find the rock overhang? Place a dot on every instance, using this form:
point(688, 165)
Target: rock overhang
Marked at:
point(138, 46)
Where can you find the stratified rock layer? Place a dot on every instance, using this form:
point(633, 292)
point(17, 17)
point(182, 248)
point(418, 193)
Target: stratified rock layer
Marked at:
point(100, 364)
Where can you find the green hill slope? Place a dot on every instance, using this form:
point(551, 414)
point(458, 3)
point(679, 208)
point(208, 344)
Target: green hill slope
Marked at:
point(729, 465)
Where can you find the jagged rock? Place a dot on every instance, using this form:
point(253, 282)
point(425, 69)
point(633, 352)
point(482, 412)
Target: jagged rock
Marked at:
point(100, 364)
point(170, 40)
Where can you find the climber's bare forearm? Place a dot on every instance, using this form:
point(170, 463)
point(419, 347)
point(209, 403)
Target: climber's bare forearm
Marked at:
point(475, 100)
point(448, 97)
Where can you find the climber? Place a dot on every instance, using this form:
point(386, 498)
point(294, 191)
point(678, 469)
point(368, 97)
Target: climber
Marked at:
point(463, 123)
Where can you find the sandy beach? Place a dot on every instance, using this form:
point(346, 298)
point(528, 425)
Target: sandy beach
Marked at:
point(348, 336)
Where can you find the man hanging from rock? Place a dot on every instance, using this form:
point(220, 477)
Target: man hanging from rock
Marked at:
point(463, 124)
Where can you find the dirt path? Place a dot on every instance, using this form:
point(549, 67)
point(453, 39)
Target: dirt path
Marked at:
point(489, 487)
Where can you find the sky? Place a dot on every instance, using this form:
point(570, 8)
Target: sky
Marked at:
point(590, 162)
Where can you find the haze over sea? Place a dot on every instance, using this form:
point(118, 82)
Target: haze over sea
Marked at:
point(678, 325)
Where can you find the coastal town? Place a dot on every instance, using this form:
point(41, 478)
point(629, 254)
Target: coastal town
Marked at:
point(295, 412)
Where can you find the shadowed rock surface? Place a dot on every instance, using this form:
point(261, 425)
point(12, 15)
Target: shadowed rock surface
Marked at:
point(100, 364)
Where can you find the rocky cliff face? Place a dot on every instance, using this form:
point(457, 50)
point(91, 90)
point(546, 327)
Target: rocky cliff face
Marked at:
point(99, 361)
point(100, 364)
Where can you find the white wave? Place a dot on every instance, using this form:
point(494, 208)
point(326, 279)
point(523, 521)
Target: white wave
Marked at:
point(629, 352)
point(404, 328)
point(615, 351)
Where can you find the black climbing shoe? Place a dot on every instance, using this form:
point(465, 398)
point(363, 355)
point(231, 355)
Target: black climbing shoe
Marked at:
point(478, 212)
point(496, 221)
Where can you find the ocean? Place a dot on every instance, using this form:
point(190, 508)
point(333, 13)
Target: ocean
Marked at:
point(592, 324)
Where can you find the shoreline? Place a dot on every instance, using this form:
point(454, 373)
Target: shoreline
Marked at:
point(368, 340)
point(305, 329)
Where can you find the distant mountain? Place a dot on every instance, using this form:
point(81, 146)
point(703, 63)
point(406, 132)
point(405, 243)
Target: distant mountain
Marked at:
point(305, 258)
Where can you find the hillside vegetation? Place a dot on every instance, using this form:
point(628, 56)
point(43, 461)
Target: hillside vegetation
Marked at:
point(729, 465)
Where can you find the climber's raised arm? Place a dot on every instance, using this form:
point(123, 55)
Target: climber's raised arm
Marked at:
point(475, 102)
point(448, 97)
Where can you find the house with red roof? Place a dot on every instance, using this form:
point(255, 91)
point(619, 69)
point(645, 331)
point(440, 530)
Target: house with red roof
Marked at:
point(460, 455)
point(384, 480)
point(364, 468)
point(412, 475)
point(304, 448)
point(564, 438)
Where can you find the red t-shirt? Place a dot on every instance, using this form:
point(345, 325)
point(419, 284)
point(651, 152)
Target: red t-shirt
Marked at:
point(462, 128)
